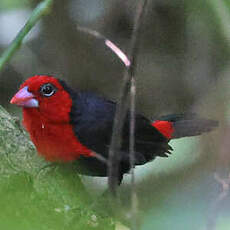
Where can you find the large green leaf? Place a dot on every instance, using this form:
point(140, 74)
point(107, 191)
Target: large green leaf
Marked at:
point(35, 195)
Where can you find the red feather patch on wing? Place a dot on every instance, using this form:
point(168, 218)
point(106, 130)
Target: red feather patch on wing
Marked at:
point(164, 127)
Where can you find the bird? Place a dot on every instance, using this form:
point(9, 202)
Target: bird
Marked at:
point(68, 125)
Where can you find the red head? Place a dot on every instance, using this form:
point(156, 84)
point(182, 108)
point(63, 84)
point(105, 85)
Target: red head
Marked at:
point(44, 96)
point(46, 108)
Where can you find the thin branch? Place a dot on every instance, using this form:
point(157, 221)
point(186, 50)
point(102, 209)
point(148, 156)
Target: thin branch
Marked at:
point(114, 48)
point(132, 128)
point(42, 9)
point(121, 109)
point(100, 158)
point(118, 52)
point(134, 200)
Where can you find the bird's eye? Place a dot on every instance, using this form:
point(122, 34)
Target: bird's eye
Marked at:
point(47, 90)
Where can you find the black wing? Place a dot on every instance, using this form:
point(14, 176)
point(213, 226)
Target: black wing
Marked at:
point(92, 118)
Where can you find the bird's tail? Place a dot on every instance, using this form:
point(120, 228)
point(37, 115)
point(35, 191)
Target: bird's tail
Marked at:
point(183, 125)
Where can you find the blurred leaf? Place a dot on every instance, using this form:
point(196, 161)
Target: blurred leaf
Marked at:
point(223, 223)
point(42, 9)
point(222, 11)
point(187, 206)
point(9, 4)
point(36, 195)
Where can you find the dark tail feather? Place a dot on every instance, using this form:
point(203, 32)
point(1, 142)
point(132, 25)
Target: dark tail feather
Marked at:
point(186, 125)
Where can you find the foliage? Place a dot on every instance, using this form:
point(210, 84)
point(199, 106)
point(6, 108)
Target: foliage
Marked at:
point(38, 196)
point(38, 12)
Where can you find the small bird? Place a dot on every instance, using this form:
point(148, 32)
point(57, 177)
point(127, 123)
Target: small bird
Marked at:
point(76, 126)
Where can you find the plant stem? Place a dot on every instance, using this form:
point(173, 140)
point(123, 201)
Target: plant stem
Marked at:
point(42, 9)
point(121, 110)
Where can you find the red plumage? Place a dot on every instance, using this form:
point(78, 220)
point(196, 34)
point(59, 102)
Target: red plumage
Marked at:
point(164, 127)
point(49, 126)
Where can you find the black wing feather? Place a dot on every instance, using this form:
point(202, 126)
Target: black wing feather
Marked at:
point(92, 118)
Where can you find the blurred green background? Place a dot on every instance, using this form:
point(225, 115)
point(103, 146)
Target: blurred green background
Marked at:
point(182, 66)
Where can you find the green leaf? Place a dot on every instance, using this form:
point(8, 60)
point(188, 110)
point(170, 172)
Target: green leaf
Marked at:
point(36, 195)
point(42, 9)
